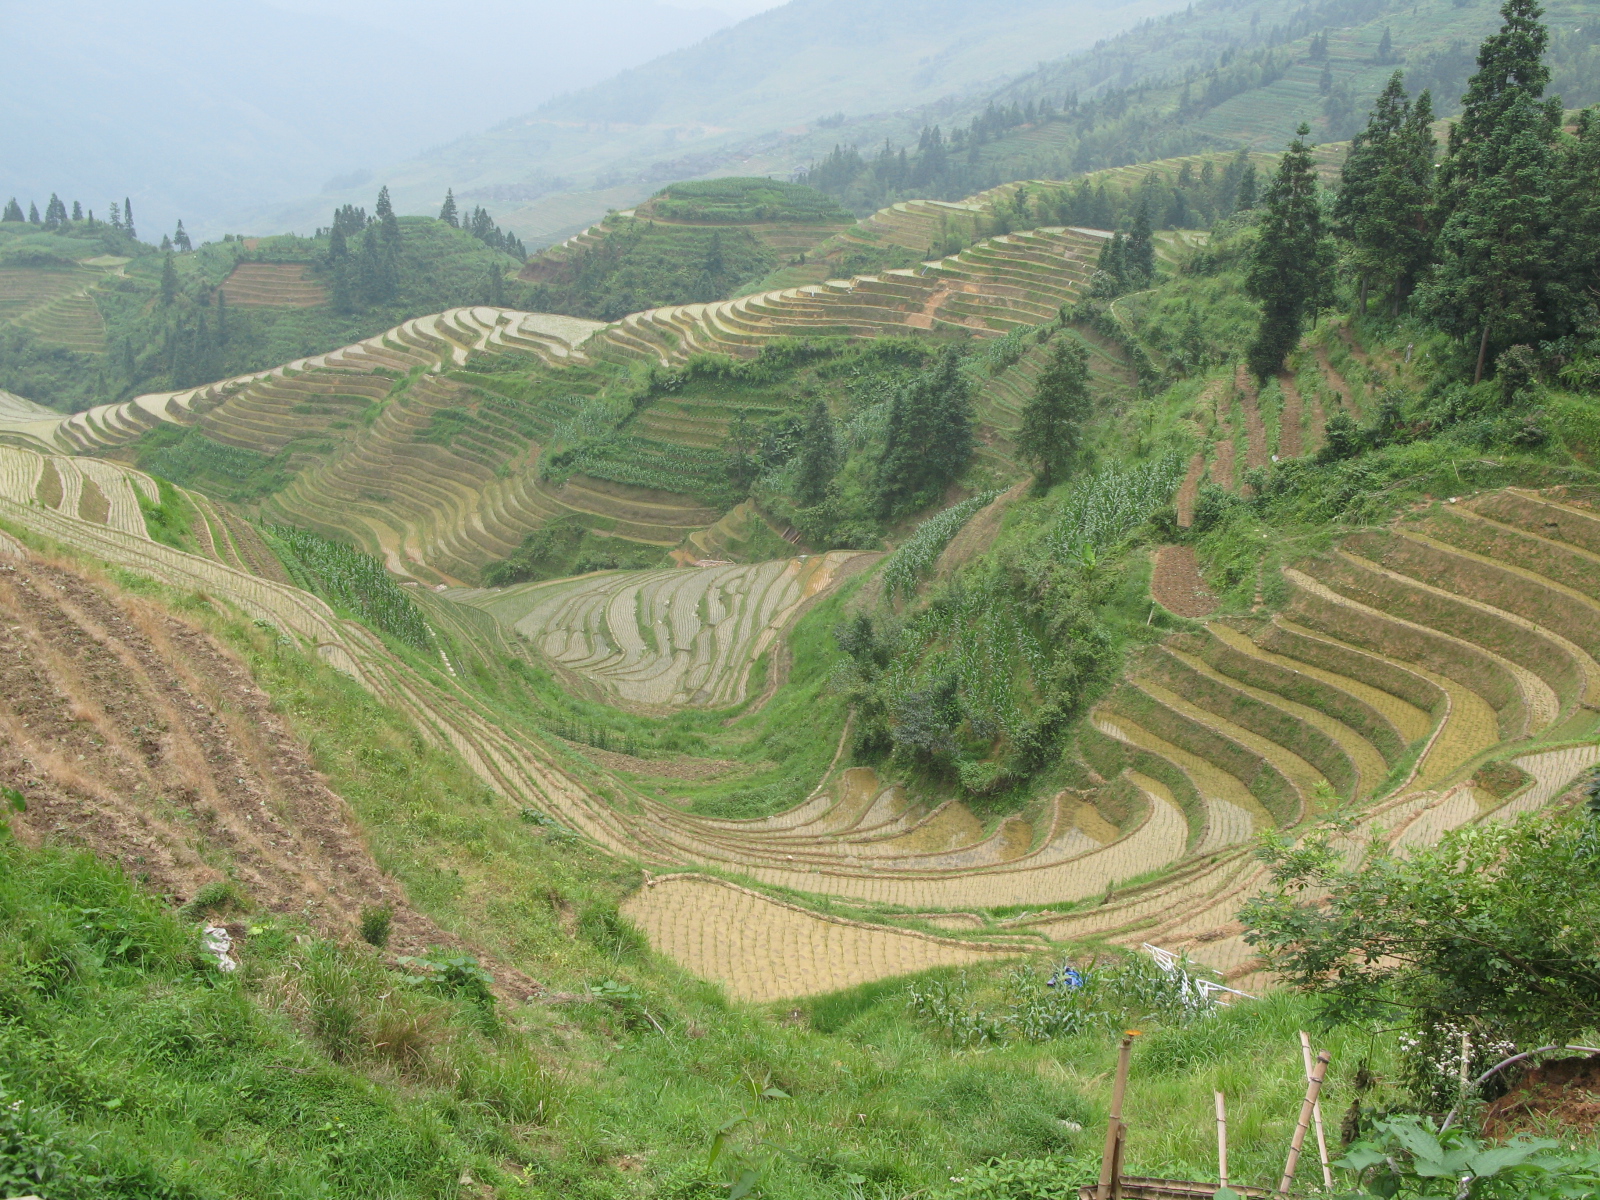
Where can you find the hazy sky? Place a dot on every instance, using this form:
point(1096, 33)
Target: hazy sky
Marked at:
point(205, 108)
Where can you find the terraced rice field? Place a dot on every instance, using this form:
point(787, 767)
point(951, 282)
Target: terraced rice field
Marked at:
point(56, 305)
point(1404, 660)
point(761, 949)
point(273, 285)
point(1004, 283)
point(662, 639)
point(103, 493)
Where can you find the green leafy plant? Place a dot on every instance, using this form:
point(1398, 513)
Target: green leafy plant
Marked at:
point(1408, 1157)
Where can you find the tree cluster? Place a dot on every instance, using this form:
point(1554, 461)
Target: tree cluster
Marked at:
point(57, 217)
point(481, 226)
point(1498, 244)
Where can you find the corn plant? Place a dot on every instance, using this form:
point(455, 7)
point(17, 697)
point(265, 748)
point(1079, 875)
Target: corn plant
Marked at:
point(1104, 509)
point(353, 581)
point(916, 557)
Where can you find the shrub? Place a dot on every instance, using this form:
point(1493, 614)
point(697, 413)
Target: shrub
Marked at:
point(375, 922)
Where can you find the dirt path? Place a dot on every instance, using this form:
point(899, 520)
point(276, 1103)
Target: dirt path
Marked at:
point(1316, 425)
point(1189, 489)
point(1175, 583)
point(1290, 441)
point(133, 734)
point(1338, 383)
point(1255, 431)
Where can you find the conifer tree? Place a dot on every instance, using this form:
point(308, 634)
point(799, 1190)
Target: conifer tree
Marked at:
point(13, 211)
point(169, 282)
point(1498, 276)
point(819, 458)
point(180, 239)
point(77, 211)
point(116, 215)
point(1291, 262)
point(495, 287)
point(1385, 48)
point(1248, 188)
point(55, 212)
point(1139, 253)
point(1385, 201)
point(1580, 200)
point(127, 218)
point(448, 213)
point(222, 318)
point(389, 224)
point(1051, 437)
point(929, 441)
point(33, 214)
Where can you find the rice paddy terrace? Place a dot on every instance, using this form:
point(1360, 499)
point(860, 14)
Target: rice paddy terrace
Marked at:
point(1441, 671)
point(414, 445)
point(56, 302)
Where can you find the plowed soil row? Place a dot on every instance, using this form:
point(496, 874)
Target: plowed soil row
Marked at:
point(133, 734)
point(1176, 585)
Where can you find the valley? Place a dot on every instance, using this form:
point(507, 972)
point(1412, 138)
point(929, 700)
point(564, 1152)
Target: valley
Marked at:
point(751, 698)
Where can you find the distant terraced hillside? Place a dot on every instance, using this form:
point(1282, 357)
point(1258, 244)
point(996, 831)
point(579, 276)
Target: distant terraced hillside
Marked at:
point(56, 302)
point(426, 445)
point(273, 285)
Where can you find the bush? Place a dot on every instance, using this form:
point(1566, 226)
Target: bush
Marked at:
point(375, 923)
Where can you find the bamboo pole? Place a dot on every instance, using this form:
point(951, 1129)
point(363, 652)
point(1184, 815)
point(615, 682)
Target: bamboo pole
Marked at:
point(1316, 1113)
point(1313, 1089)
point(1109, 1164)
point(1222, 1141)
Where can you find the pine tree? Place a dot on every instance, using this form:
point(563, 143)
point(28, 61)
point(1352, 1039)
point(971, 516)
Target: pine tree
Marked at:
point(169, 282)
point(180, 239)
point(13, 211)
point(166, 244)
point(1248, 187)
point(77, 211)
point(495, 287)
point(1580, 204)
point(222, 318)
point(1291, 263)
point(448, 213)
point(1498, 276)
point(1051, 437)
point(819, 458)
point(1384, 206)
point(116, 215)
point(929, 441)
point(127, 218)
point(1510, 68)
point(33, 214)
point(55, 212)
point(389, 224)
point(1139, 254)
point(1385, 48)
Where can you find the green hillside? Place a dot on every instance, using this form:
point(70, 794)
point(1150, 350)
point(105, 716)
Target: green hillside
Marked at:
point(87, 320)
point(1212, 78)
point(689, 243)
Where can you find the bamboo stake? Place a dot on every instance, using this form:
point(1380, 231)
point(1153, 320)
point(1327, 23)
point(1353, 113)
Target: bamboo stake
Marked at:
point(1109, 1160)
point(1117, 1157)
point(1313, 1088)
point(1316, 1113)
point(1222, 1141)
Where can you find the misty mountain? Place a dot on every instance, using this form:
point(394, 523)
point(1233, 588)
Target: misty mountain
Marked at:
point(721, 105)
point(208, 111)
